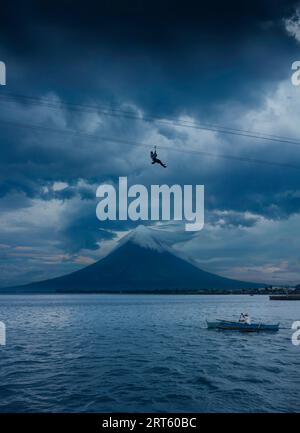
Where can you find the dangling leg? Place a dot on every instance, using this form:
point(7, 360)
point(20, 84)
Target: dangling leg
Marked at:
point(161, 163)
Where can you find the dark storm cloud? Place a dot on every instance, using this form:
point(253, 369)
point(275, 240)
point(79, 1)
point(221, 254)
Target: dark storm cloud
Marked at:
point(83, 233)
point(212, 61)
point(164, 56)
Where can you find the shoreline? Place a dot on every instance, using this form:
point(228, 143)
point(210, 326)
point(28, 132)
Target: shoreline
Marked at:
point(136, 293)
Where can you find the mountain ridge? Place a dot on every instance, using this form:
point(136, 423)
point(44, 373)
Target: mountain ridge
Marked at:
point(139, 263)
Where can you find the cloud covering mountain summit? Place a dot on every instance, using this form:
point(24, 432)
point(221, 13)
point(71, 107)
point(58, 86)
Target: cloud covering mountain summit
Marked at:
point(140, 263)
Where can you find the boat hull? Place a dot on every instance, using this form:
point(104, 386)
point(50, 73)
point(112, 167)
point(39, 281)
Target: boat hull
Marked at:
point(245, 327)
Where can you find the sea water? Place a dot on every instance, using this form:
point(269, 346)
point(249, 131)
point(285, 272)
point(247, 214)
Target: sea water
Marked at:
point(97, 353)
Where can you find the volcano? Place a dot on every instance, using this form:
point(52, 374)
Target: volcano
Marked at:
point(140, 263)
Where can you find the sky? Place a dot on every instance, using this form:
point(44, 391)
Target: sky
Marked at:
point(207, 63)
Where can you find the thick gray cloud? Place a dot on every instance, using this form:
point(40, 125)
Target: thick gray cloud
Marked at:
point(66, 178)
point(227, 68)
point(157, 54)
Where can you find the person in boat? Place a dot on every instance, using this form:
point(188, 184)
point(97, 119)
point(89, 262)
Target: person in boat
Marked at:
point(154, 158)
point(245, 318)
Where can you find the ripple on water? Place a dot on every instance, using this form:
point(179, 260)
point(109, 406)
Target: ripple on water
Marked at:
point(144, 353)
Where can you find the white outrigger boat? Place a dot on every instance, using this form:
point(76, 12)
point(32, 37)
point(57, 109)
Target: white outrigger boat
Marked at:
point(241, 326)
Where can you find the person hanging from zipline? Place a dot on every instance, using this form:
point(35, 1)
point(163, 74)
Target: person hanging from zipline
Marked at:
point(155, 159)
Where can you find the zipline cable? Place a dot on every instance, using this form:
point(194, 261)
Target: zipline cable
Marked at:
point(139, 144)
point(151, 118)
